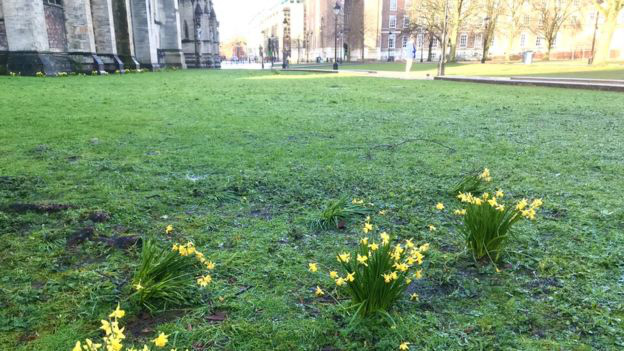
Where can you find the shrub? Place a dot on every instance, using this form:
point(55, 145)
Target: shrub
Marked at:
point(167, 277)
point(337, 213)
point(40, 74)
point(487, 222)
point(377, 274)
point(473, 183)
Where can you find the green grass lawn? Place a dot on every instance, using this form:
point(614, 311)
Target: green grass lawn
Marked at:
point(242, 162)
point(565, 69)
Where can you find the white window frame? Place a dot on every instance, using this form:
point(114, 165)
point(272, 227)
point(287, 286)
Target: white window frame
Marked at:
point(538, 42)
point(420, 40)
point(393, 5)
point(392, 22)
point(391, 40)
point(406, 21)
point(523, 38)
point(404, 40)
point(463, 41)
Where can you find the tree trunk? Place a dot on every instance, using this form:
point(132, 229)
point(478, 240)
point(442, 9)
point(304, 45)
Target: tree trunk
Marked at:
point(603, 51)
point(429, 54)
point(547, 55)
point(484, 54)
point(453, 43)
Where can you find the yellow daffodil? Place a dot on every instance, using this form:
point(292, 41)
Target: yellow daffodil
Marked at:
point(91, 346)
point(340, 281)
point(357, 202)
point(409, 244)
point(439, 206)
point(500, 207)
point(387, 278)
point(394, 275)
point(333, 274)
point(106, 327)
point(210, 265)
point(385, 238)
point(402, 267)
point(418, 274)
point(183, 250)
point(350, 277)
point(500, 193)
point(373, 247)
point(486, 196)
point(461, 212)
point(77, 347)
point(344, 257)
point(493, 202)
point(319, 292)
point(169, 229)
point(312, 267)
point(117, 313)
point(362, 260)
point(485, 174)
point(364, 241)
point(161, 340)
point(432, 228)
point(138, 286)
point(204, 280)
point(477, 201)
point(382, 212)
point(176, 247)
point(414, 297)
point(367, 227)
point(424, 247)
point(522, 204)
point(404, 346)
point(537, 203)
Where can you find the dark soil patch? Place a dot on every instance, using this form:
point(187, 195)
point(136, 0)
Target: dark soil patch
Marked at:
point(88, 233)
point(99, 217)
point(543, 286)
point(145, 324)
point(80, 236)
point(39, 208)
point(122, 242)
point(217, 317)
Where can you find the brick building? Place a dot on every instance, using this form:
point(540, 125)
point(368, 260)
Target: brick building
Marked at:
point(52, 36)
point(383, 29)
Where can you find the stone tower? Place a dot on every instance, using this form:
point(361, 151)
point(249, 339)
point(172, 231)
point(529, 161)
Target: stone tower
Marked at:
point(200, 41)
point(52, 36)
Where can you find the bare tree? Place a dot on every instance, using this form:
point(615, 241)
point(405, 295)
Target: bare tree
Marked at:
point(493, 11)
point(427, 16)
point(460, 11)
point(513, 13)
point(610, 9)
point(551, 16)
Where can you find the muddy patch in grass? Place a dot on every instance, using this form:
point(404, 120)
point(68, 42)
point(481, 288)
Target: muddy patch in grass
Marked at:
point(145, 324)
point(38, 208)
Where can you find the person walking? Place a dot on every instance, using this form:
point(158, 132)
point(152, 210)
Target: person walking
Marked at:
point(410, 55)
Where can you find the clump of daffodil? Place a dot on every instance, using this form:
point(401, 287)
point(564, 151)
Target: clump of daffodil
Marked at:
point(487, 221)
point(169, 229)
point(473, 183)
point(377, 274)
point(170, 277)
point(113, 339)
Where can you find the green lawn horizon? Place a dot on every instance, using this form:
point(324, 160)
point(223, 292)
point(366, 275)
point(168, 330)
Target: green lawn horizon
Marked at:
point(242, 163)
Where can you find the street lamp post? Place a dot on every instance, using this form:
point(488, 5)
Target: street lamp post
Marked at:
point(442, 64)
point(422, 45)
point(336, 12)
point(285, 47)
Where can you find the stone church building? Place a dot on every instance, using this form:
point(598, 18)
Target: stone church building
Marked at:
point(52, 36)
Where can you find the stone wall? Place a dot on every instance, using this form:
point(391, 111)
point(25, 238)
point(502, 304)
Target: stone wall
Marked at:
point(103, 26)
point(4, 44)
point(55, 24)
point(122, 27)
point(79, 26)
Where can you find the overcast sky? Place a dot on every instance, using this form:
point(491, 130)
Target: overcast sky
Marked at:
point(235, 15)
